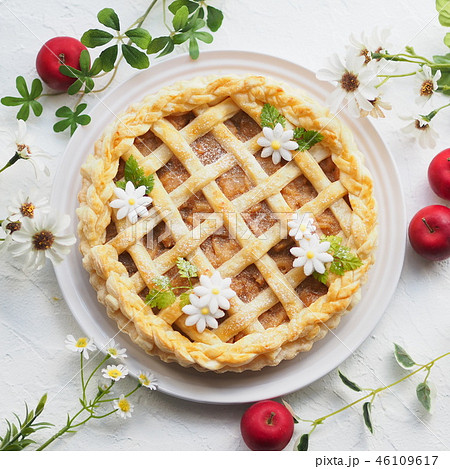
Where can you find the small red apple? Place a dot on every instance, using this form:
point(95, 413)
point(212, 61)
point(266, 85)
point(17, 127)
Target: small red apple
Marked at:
point(267, 426)
point(54, 53)
point(439, 174)
point(429, 232)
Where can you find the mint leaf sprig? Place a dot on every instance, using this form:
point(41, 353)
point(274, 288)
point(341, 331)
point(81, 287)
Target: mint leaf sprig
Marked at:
point(306, 139)
point(163, 294)
point(343, 259)
point(424, 395)
point(134, 173)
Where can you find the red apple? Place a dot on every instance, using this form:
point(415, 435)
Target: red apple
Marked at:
point(267, 426)
point(429, 232)
point(439, 174)
point(54, 53)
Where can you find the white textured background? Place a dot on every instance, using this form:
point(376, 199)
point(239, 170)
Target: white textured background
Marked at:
point(34, 320)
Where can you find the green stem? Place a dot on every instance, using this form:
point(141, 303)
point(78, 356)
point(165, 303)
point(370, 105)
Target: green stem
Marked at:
point(13, 160)
point(377, 391)
point(96, 368)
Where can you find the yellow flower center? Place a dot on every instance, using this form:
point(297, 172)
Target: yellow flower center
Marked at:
point(276, 144)
point(427, 88)
point(124, 405)
point(309, 254)
point(144, 380)
point(112, 351)
point(27, 209)
point(82, 342)
point(115, 373)
point(204, 310)
point(303, 227)
point(215, 291)
point(131, 201)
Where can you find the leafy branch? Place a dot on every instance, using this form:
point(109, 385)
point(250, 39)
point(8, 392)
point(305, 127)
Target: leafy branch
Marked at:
point(423, 393)
point(134, 44)
point(16, 436)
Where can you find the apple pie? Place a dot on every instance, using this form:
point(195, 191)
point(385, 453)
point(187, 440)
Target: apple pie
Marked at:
point(227, 222)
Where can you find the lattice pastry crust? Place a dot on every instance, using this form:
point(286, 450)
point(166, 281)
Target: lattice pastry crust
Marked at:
point(241, 342)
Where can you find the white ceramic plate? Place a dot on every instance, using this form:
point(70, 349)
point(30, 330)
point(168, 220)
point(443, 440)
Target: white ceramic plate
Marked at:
point(328, 353)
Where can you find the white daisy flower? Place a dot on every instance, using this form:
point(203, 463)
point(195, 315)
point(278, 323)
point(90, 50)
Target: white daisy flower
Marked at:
point(148, 380)
point(201, 316)
point(377, 110)
point(8, 227)
point(18, 144)
point(131, 202)
point(312, 255)
point(214, 292)
point(356, 83)
point(114, 351)
point(82, 344)
point(376, 42)
point(103, 385)
point(301, 226)
point(123, 406)
point(422, 130)
point(277, 143)
point(23, 205)
point(426, 84)
point(115, 372)
point(42, 237)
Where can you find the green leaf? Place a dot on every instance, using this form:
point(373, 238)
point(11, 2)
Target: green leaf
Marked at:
point(348, 383)
point(181, 18)
point(168, 49)
point(306, 138)
point(184, 299)
point(443, 8)
point(75, 87)
point(12, 101)
point(139, 36)
point(270, 116)
point(108, 17)
point(403, 358)
point(97, 67)
point(163, 282)
point(447, 39)
point(36, 107)
point(69, 71)
point(303, 443)
point(186, 269)
point(21, 86)
point(181, 37)
point(24, 112)
point(96, 37)
point(442, 59)
point(423, 392)
point(108, 58)
point(367, 411)
point(215, 18)
point(85, 61)
point(193, 48)
point(160, 299)
point(135, 57)
point(323, 278)
point(177, 4)
point(136, 175)
point(157, 44)
point(343, 258)
point(121, 184)
point(204, 37)
point(71, 118)
point(36, 88)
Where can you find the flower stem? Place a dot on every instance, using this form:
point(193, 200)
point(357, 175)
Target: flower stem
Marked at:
point(374, 392)
point(13, 160)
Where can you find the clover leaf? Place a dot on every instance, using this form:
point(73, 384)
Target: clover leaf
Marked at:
point(71, 118)
point(135, 57)
point(27, 99)
point(84, 74)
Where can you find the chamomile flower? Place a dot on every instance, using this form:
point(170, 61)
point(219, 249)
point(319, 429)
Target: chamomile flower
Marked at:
point(40, 238)
point(367, 44)
point(277, 143)
point(356, 83)
point(214, 292)
point(82, 344)
point(114, 372)
point(201, 316)
point(23, 205)
point(377, 110)
point(148, 380)
point(312, 255)
point(422, 130)
point(114, 351)
point(131, 202)
point(426, 84)
point(19, 145)
point(8, 227)
point(301, 226)
point(123, 406)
